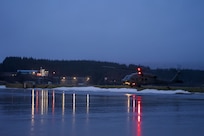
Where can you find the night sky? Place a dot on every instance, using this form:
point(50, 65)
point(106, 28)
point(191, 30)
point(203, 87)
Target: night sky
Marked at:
point(155, 33)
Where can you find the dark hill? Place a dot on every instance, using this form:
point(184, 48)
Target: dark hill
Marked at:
point(98, 71)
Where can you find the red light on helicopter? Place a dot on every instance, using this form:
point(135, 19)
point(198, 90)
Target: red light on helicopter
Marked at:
point(139, 70)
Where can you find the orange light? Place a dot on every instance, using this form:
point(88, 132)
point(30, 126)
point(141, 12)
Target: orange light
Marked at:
point(39, 74)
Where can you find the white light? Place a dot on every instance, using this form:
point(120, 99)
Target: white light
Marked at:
point(87, 103)
point(128, 95)
point(74, 103)
point(63, 103)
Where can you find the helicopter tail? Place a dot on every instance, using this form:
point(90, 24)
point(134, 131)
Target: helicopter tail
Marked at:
point(176, 79)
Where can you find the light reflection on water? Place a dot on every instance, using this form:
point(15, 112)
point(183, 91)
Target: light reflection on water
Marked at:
point(50, 112)
point(42, 99)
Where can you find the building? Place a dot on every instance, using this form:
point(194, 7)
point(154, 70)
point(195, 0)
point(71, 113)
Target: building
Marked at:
point(40, 73)
point(27, 72)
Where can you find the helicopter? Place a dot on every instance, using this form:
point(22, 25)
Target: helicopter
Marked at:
point(139, 78)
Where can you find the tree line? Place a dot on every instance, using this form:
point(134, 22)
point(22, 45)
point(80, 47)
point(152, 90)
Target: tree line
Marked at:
point(99, 71)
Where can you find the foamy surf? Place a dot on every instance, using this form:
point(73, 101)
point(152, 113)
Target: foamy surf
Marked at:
point(2, 86)
point(154, 91)
point(121, 90)
point(96, 89)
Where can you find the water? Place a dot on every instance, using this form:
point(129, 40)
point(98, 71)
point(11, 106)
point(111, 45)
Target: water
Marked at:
point(97, 113)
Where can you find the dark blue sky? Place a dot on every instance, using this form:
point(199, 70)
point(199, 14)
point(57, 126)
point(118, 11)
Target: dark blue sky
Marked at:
point(156, 33)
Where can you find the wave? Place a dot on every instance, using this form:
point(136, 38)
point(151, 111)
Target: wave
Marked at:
point(154, 91)
point(2, 86)
point(121, 90)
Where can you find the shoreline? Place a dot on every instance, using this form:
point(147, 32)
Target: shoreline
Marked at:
point(194, 89)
